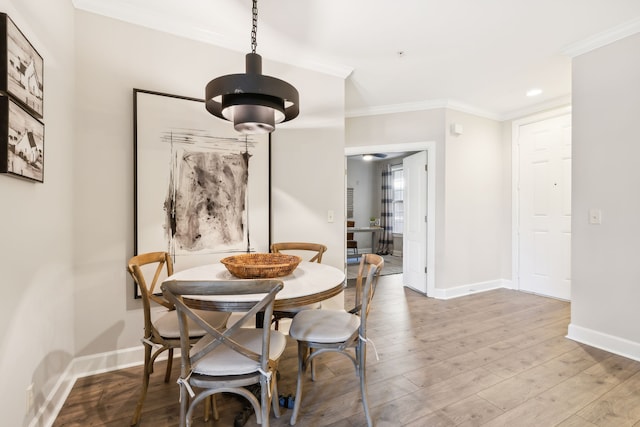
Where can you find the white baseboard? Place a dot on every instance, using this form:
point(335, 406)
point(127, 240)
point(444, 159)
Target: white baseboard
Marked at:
point(610, 343)
point(473, 288)
point(82, 367)
point(47, 413)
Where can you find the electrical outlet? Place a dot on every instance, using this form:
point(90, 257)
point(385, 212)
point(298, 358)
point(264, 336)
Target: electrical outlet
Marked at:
point(29, 398)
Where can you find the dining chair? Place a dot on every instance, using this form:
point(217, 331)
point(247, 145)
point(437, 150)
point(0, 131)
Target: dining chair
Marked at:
point(161, 331)
point(338, 331)
point(227, 360)
point(351, 242)
point(315, 250)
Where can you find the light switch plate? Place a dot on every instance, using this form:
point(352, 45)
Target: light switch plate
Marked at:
point(595, 216)
point(330, 216)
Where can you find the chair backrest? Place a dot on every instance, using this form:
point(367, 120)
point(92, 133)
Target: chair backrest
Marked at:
point(317, 249)
point(369, 271)
point(350, 224)
point(160, 264)
point(265, 292)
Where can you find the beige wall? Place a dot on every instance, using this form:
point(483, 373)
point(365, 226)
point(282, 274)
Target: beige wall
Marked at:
point(113, 58)
point(37, 316)
point(412, 126)
point(362, 176)
point(471, 176)
point(606, 149)
point(66, 242)
point(477, 216)
point(308, 181)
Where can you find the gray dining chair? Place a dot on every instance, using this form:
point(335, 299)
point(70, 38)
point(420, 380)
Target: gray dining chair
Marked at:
point(227, 361)
point(338, 331)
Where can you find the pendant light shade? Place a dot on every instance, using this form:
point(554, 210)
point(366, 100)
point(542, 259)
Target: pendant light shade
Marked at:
point(252, 101)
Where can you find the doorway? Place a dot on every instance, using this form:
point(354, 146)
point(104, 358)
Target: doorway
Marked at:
point(370, 221)
point(542, 204)
point(426, 282)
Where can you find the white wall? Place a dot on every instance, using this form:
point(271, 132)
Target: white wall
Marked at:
point(36, 320)
point(605, 269)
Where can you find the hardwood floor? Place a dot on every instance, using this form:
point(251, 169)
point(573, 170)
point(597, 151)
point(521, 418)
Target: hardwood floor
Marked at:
point(497, 358)
point(392, 265)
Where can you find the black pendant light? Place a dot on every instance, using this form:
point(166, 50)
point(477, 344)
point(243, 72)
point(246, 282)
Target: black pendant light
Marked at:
point(252, 101)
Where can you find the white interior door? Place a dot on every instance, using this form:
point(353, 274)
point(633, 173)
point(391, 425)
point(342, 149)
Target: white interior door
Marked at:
point(545, 207)
point(414, 247)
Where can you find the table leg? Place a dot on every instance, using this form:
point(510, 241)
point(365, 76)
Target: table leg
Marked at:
point(260, 319)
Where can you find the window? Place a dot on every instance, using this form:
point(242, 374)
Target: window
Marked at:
point(349, 202)
point(397, 175)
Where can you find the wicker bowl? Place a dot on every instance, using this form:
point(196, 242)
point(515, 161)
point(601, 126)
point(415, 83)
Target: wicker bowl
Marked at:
point(261, 266)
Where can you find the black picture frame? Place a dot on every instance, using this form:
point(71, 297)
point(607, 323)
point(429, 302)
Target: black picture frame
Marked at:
point(21, 141)
point(166, 126)
point(21, 68)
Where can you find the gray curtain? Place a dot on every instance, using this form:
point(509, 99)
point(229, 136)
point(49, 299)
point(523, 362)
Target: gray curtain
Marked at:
point(385, 242)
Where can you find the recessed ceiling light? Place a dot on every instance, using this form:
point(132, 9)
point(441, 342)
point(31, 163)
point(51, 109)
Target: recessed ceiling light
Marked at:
point(534, 92)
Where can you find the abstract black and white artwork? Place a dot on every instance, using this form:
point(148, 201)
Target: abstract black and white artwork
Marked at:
point(22, 67)
point(22, 142)
point(201, 189)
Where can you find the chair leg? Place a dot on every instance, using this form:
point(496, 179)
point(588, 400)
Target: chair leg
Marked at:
point(264, 401)
point(214, 405)
point(362, 364)
point(184, 404)
point(167, 375)
point(275, 406)
point(302, 354)
point(146, 372)
point(211, 407)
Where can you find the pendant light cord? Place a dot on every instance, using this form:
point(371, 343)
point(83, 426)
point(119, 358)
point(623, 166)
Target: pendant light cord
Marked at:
point(254, 28)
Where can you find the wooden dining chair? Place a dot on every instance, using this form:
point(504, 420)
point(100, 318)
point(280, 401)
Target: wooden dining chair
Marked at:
point(315, 250)
point(352, 243)
point(232, 359)
point(161, 332)
point(323, 331)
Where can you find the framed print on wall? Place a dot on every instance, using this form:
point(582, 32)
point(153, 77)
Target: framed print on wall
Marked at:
point(201, 190)
point(21, 142)
point(21, 68)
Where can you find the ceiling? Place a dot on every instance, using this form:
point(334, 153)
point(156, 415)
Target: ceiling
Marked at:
point(475, 56)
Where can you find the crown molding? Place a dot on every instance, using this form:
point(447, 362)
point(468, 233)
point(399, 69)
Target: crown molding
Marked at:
point(421, 106)
point(124, 11)
point(602, 39)
point(562, 101)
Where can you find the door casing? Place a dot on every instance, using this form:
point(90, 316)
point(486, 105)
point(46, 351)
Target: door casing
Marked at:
point(430, 148)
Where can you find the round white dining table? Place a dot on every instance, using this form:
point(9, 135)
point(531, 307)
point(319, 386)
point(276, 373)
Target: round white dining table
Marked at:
point(309, 283)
